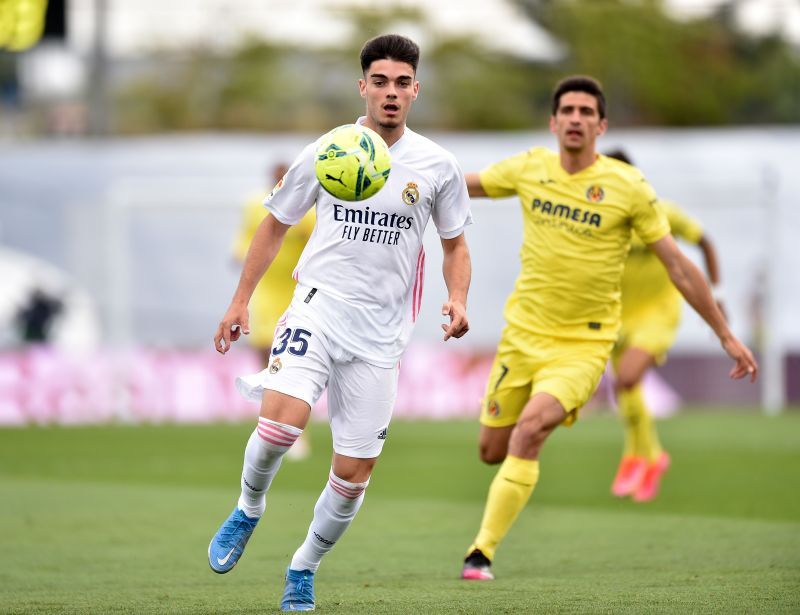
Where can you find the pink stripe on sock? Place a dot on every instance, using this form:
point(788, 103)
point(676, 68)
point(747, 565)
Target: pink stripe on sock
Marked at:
point(274, 434)
point(276, 437)
point(341, 492)
point(267, 424)
point(276, 427)
point(348, 492)
point(275, 442)
point(265, 435)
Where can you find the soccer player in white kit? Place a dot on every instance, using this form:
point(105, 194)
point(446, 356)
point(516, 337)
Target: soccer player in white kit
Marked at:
point(359, 288)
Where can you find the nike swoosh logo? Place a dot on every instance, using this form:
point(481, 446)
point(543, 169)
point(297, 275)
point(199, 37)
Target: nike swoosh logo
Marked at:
point(225, 559)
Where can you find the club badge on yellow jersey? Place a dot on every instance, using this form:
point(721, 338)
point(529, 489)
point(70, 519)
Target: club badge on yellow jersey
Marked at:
point(410, 194)
point(595, 193)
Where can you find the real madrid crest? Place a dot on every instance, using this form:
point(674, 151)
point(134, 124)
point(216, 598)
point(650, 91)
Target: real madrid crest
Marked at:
point(595, 193)
point(410, 194)
point(275, 365)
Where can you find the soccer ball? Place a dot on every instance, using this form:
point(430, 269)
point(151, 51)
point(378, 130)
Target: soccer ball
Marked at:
point(352, 162)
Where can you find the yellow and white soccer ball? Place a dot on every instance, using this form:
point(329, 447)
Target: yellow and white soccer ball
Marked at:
point(352, 162)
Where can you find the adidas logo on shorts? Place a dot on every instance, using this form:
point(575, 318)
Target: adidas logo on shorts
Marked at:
point(383, 434)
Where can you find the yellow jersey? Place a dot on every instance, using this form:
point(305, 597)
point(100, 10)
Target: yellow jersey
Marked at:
point(274, 292)
point(576, 236)
point(645, 278)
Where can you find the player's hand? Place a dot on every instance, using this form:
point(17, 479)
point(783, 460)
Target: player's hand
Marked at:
point(459, 325)
point(745, 362)
point(235, 322)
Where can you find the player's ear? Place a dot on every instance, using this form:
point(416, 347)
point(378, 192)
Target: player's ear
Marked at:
point(416, 90)
point(603, 126)
point(362, 88)
point(553, 124)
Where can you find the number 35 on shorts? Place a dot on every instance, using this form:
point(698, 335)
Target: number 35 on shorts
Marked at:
point(293, 340)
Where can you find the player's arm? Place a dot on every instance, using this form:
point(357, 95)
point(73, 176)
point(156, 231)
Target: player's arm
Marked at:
point(712, 269)
point(474, 186)
point(710, 258)
point(691, 282)
point(457, 270)
point(263, 249)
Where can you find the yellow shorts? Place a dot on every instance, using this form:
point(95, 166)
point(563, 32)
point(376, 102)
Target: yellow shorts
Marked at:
point(651, 327)
point(527, 363)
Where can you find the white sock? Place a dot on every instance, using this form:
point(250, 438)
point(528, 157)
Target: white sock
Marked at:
point(262, 458)
point(335, 509)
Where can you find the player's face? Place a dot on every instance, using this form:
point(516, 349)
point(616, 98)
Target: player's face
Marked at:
point(389, 87)
point(577, 122)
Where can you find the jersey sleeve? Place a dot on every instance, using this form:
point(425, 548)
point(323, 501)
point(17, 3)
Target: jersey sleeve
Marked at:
point(297, 192)
point(451, 211)
point(682, 225)
point(500, 179)
point(306, 226)
point(647, 216)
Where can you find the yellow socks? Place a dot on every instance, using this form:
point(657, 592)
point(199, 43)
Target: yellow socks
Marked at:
point(641, 439)
point(508, 494)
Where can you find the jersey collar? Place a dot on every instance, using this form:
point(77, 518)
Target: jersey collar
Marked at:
point(558, 171)
point(397, 145)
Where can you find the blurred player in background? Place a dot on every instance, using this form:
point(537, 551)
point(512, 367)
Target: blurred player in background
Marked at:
point(274, 292)
point(651, 311)
point(359, 286)
point(579, 209)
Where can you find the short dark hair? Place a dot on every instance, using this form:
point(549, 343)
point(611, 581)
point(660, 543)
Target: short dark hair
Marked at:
point(580, 83)
point(619, 154)
point(389, 47)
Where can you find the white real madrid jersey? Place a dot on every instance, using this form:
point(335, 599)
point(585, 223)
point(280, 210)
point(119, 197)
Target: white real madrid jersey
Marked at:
point(365, 259)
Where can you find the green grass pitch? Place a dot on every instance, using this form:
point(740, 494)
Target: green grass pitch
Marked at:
point(118, 519)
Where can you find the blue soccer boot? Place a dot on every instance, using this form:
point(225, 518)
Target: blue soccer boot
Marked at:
point(298, 594)
point(228, 543)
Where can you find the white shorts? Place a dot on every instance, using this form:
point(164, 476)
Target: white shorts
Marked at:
point(304, 361)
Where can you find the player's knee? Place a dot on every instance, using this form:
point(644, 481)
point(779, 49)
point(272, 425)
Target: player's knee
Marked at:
point(353, 470)
point(531, 432)
point(493, 445)
point(627, 380)
point(491, 453)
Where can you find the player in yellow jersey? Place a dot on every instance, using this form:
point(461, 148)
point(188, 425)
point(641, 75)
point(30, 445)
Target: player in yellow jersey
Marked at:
point(274, 292)
point(579, 209)
point(651, 309)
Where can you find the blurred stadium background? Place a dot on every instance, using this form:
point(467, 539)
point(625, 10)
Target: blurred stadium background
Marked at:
point(131, 135)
